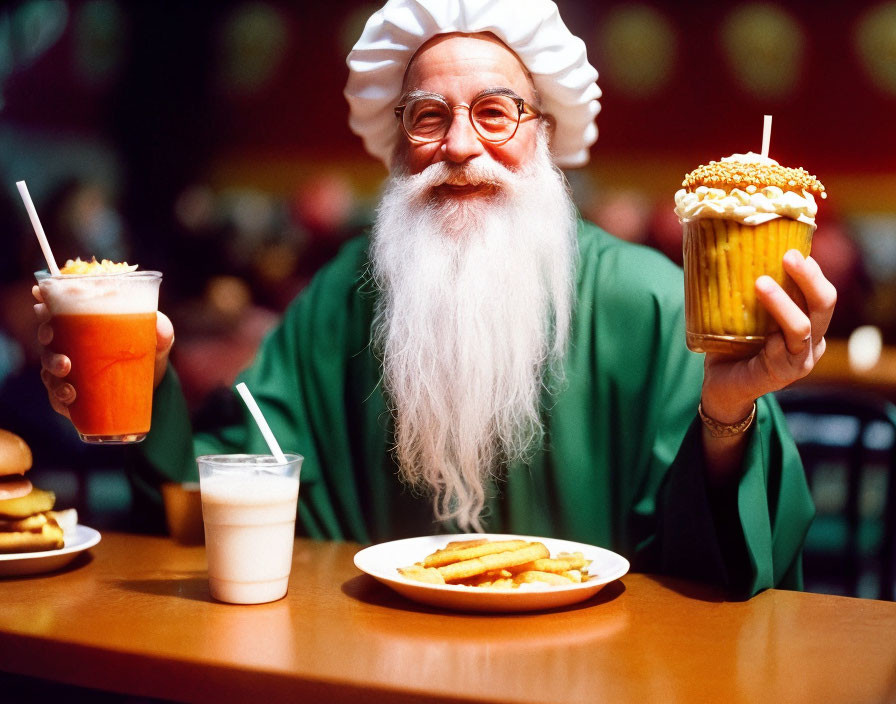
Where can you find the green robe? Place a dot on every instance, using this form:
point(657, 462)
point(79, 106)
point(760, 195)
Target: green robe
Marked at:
point(621, 464)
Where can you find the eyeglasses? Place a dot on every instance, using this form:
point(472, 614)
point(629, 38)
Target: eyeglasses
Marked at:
point(494, 114)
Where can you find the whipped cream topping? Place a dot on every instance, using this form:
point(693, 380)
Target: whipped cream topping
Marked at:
point(751, 206)
point(750, 158)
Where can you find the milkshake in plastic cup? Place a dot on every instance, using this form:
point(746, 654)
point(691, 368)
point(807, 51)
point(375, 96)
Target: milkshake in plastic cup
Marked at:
point(104, 320)
point(249, 507)
point(740, 215)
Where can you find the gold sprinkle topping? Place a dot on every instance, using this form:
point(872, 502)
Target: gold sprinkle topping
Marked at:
point(79, 266)
point(729, 175)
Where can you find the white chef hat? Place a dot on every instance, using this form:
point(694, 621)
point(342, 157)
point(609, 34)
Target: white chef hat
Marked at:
point(565, 81)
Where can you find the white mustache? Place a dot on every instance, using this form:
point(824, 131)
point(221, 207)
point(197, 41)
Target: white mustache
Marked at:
point(472, 173)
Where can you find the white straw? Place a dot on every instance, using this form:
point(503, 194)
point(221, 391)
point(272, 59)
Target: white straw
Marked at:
point(38, 229)
point(766, 134)
point(262, 423)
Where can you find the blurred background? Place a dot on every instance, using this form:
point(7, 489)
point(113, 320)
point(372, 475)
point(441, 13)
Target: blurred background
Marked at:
point(210, 141)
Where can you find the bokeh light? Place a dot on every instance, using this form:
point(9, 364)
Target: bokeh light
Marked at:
point(875, 40)
point(765, 49)
point(253, 42)
point(639, 49)
point(100, 38)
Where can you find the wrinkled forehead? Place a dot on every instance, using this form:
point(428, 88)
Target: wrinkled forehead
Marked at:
point(464, 62)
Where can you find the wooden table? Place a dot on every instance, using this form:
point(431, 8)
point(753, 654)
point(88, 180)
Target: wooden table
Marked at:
point(834, 369)
point(135, 616)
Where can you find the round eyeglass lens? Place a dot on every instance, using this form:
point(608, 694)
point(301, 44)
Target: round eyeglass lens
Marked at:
point(427, 119)
point(495, 117)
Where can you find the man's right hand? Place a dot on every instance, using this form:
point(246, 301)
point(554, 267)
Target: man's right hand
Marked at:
point(55, 367)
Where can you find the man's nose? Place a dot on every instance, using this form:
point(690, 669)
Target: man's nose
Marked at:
point(461, 142)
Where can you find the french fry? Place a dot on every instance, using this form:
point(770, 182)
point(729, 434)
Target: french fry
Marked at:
point(560, 564)
point(536, 576)
point(498, 564)
point(420, 573)
point(457, 571)
point(573, 575)
point(460, 550)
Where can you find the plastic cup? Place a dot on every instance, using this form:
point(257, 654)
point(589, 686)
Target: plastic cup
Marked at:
point(722, 260)
point(106, 325)
point(249, 505)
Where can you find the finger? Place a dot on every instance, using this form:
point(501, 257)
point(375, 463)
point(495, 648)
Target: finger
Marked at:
point(65, 394)
point(164, 333)
point(61, 394)
point(45, 334)
point(164, 342)
point(38, 296)
point(819, 293)
point(57, 365)
point(42, 312)
point(794, 323)
point(775, 367)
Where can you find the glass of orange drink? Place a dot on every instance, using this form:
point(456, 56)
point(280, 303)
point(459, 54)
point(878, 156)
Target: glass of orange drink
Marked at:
point(104, 321)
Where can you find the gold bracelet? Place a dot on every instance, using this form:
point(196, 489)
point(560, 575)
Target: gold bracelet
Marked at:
point(726, 430)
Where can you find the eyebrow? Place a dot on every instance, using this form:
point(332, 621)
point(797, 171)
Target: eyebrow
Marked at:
point(418, 94)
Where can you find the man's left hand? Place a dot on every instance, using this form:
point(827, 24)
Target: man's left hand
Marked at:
point(730, 385)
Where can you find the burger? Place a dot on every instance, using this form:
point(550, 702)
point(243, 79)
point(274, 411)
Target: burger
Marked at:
point(28, 522)
point(15, 460)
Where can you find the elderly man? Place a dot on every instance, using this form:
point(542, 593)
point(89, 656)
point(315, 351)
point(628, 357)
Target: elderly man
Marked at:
point(488, 361)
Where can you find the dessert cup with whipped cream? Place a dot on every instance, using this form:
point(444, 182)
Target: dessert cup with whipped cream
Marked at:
point(739, 216)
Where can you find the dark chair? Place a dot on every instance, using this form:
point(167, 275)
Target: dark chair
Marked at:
point(851, 434)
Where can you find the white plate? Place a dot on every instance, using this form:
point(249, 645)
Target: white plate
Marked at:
point(382, 562)
point(81, 538)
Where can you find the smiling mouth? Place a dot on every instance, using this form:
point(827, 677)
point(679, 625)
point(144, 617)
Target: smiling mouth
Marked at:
point(457, 190)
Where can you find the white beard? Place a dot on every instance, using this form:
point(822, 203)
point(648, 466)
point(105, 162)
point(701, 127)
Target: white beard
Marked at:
point(476, 300)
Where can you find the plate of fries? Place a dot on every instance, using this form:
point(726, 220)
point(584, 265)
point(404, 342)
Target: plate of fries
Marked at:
point(492, 572)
